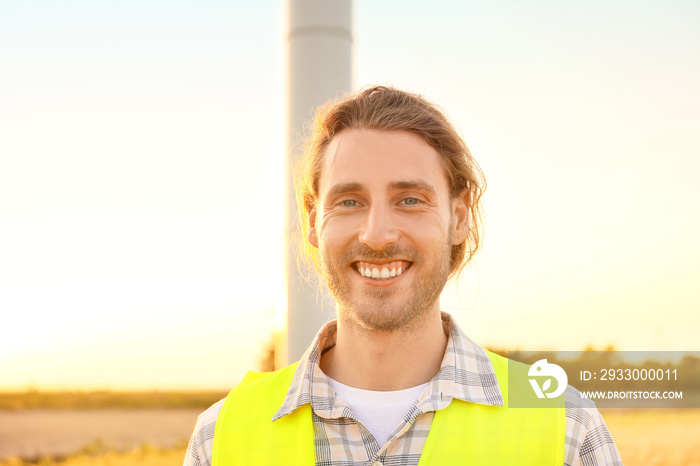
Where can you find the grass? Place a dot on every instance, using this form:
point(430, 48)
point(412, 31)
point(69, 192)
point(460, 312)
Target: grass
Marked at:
point(15, 401)
point(99, 454)
point(656, 437)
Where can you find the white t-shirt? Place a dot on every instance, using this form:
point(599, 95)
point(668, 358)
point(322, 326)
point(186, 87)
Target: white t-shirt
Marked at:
point(379, 412)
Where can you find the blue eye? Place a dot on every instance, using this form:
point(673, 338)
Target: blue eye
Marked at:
point(410, 201)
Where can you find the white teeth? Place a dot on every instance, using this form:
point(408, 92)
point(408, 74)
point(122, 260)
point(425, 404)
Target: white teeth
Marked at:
point(381, 274)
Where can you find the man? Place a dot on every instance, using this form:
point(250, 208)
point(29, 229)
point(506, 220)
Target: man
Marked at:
point(389, 200)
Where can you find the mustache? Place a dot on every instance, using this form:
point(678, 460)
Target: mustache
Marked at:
point(364, 253)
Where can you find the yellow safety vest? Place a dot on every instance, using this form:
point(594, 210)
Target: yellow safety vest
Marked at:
point(462, 434)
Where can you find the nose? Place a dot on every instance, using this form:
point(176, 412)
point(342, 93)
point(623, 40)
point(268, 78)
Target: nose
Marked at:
point(379, 229)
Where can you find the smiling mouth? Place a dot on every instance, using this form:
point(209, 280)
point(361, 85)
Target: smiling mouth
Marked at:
point(383, 271)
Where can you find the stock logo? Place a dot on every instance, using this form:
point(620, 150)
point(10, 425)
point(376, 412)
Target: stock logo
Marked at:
point(544, 369)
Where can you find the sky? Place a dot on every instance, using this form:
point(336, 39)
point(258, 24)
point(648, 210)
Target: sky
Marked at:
point(141, 155)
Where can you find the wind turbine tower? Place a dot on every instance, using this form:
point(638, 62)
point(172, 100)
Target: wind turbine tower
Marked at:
point(319, 68)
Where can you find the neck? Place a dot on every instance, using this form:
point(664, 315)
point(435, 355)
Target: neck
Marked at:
point(386, 360)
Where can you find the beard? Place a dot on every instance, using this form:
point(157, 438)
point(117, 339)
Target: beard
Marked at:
point(390, 308)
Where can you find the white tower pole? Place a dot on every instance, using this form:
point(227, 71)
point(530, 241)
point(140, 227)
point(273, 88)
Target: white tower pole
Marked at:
point(319, 56)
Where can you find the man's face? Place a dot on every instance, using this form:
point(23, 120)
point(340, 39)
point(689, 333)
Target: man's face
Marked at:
point(384, 224)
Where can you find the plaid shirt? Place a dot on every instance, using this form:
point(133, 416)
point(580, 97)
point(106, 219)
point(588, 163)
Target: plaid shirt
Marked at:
point(465, 373)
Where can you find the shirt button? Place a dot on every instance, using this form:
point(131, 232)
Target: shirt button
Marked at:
point(377, 463)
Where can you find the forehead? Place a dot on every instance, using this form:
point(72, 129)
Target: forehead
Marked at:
point(378, 159)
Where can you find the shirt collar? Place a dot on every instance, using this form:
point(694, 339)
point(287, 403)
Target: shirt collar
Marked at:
point(465, 373)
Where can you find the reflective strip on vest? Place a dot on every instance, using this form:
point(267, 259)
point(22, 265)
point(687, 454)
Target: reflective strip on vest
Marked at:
point(462, 433)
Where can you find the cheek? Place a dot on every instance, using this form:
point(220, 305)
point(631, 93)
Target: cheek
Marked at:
point(429, 226)
point(335, 231)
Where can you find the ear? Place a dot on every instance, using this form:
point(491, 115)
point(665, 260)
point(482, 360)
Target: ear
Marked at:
point(460, 216)
point(312, 237)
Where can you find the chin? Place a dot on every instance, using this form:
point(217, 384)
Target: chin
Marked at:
point(383, 318)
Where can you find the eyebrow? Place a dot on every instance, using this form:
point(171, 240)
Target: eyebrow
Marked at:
point(344, 188)
point(417, 185)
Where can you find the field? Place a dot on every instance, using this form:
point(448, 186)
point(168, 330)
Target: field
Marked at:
point(644, 437)
point(77, 400)
point(145, 455)
point(36, 433)
point(98, 428)
point(656, 437)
